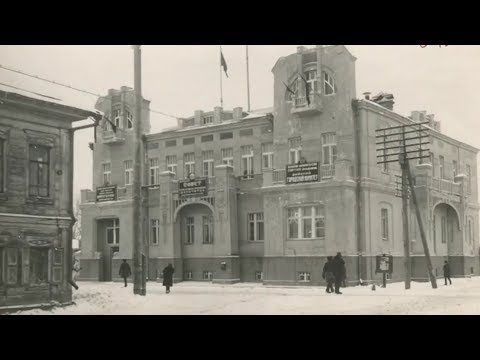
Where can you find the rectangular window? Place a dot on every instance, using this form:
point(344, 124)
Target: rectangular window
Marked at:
point(208, 120)
point(14, 266)
point(208, 163)
point(170, 143)
point(311, 77)
point(189, 230)
point(188, 122)
point(258, 275)
point(113, 232)
point(39, 170)
point(57, 266)
point(256, 227)
point(155, 232)
point(246, 132)
point(267, 156)
point(129, 120)
point(441, 167)
point(207, 275)
point(469, 179)
point(188, 275)
point(444, 229)
point(267, 129)
point(295, 152)
point(107, 173)
point(455, 169)
point(247, 161)
point(207, 138)
point(189, 141)
point(225, 136)
point(306, 222)
point(304, 276)
point(128, 165)
point(2, 166)
point(171, 162)
point(384, 224)
point(208, 229)
point(189, 162)
point(153, 174)
point(227, 157)
point(152, 146)
point(38, 266)
point(329, 148)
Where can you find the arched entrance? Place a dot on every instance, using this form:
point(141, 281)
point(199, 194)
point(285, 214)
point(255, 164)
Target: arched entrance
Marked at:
point(195, 232)
point(447, 234)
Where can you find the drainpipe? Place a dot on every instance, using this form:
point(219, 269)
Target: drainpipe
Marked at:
point(356, 125)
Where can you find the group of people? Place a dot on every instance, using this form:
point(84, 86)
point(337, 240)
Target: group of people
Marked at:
point(334, 273)
point(125, 272)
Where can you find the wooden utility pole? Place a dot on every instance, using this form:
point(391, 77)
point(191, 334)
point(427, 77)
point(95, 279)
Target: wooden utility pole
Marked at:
point(139, 287)
point(404, 143)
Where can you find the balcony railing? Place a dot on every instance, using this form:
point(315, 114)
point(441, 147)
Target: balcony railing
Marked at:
point(445, 186)
point(112, 137)
point(302, 106)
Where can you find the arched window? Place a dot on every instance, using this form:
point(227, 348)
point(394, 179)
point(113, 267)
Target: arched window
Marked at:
point(329, 86)
point(117, 117)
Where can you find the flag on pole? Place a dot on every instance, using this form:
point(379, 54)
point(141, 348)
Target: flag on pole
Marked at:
point(223, 63)
point(307, 90)
point(114, 127)
point(288, 88)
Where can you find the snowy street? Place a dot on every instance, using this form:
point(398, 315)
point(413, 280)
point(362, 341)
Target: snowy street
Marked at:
point(194, 298)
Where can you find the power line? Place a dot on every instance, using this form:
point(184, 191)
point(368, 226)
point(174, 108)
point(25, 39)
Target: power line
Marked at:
point(67, 86)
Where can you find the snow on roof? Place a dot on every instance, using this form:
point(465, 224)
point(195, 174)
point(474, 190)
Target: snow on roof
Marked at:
point(41, 90)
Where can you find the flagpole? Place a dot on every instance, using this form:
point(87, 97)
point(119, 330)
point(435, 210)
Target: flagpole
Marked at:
point(221, 86)
point(248, 82)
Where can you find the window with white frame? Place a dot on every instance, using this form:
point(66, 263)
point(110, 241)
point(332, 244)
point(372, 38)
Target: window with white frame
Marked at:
point(129, 120)
point(384, 224)
point(208, 163)
point(304, 276)
point(155, 232)
point(171, 162)
point(207, 275)
point(329, 148)
point(307, 222)
point(208, 119)
point(107, 173)
point(189, 164)
point(311, 77)
point(441, 166)
point(454, 168)
point(113, 232)
point(295, 150)
point(189, 230)
point(247, 161)
point(154, 174)
point(259, 275)
point(267, 155)
point(128, 165)
point(329, 86)
point(256, 227)
point(39, 170)
point(208, 229)
point(227, 156)
point(117, 118)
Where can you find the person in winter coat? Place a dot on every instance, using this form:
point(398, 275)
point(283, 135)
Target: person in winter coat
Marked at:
point(446, 272)
point(168, 277)
point(328, 274)
point(125, 271)
point(76, 269)
point(339, 271)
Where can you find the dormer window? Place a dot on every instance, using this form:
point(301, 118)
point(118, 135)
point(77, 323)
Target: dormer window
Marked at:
point(129, 120)
point(329, 87)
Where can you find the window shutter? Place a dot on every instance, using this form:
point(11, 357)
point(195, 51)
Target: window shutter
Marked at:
point(26, 266)
point(11, 260)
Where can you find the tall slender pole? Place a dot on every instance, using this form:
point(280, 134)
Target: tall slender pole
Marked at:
point(406, 240)
point(221, 76)
point(138, 275)
point(248, 81)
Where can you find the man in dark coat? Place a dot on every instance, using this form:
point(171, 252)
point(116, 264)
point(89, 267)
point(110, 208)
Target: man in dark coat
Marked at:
point(125, 271)
point(446, 272)
point(339, 271)
point(328, 274)
point(168, 277)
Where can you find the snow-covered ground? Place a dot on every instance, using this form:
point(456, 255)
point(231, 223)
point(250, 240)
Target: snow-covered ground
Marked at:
point(192, 298)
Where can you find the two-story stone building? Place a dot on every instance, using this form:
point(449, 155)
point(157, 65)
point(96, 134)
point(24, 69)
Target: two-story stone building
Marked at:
point(36, 196)
point(266, 196)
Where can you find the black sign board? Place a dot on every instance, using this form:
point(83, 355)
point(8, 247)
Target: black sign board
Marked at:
point(193, 188)
point(107, 193)
point(302, 173)
point(384, 264)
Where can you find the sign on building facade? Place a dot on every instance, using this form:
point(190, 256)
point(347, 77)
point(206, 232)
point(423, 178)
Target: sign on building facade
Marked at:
point(302, 173)
point(384, 264)
point(106, 193)
point(193, 187)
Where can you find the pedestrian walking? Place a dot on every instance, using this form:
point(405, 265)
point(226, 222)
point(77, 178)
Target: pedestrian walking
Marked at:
point(76, 269)
point(446, 272)
point(339, 271)
point(327, 274)
point(125, 271)
point(168, 277)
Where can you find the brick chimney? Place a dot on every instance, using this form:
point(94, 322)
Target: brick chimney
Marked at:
point(238, 113)
point(217, 115)
point(198, 117)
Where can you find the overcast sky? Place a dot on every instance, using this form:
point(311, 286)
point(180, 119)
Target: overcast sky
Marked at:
point(181, 79)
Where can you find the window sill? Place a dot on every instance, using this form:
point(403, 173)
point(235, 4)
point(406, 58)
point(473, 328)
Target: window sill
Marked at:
point(40, 200)
point(308, 239)
point(256, 241)
point(207, 243)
